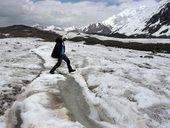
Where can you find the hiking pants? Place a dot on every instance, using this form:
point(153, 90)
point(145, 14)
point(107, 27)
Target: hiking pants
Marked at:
point(66, 59)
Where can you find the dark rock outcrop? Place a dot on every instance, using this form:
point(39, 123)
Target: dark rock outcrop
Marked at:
point(158, 20)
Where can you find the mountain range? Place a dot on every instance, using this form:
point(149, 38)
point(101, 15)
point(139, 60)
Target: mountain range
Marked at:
point(142, 22)
point(131, 22)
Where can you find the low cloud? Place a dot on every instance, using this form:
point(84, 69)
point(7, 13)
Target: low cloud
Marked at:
point(48, 12)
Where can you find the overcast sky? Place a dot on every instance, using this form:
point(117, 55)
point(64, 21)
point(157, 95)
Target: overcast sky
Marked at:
point(63, 13)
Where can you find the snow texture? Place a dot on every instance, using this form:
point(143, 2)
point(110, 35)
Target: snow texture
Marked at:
point(123, 88)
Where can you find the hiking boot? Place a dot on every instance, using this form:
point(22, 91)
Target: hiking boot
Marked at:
point(72, 70)
point(51, 72)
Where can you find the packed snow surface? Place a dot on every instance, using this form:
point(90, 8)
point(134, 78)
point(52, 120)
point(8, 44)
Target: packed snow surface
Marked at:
point(123, 88)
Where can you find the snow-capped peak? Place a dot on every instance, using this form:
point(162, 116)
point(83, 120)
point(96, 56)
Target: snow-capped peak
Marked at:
point(72, 28)
point(48, 28)
point(52, 28)
point(128, 20)
point(97, 28)
point(159, 23)
point(139, 20)
point(38, 26)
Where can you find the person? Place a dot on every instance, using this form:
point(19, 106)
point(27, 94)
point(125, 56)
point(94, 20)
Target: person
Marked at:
point(59, 52)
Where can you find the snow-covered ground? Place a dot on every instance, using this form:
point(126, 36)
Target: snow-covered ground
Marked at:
point(111, 88)
point(18, 67)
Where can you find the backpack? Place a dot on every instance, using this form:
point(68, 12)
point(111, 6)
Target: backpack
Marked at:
point(57, 48)
point(56, 51)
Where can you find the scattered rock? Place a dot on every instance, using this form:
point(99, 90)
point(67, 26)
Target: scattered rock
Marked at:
point(147, 56)
point(145, 65)
point(9, 51)
point(73, 50)
point(92, 87)
point(154, 51)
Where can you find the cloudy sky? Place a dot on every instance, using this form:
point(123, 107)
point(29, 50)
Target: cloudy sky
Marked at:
point(63, 13)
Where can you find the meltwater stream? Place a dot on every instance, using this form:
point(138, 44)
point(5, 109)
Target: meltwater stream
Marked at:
point(74, 100)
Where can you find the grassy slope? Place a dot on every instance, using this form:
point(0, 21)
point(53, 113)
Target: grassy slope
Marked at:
point(131, 45)
point(26, 31)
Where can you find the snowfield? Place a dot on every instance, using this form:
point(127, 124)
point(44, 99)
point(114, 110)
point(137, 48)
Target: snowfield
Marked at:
point(111, 88)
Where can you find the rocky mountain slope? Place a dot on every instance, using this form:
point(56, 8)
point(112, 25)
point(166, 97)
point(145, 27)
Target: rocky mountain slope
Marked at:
point(97, 28)
point(159, 23)
point(136, 22)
